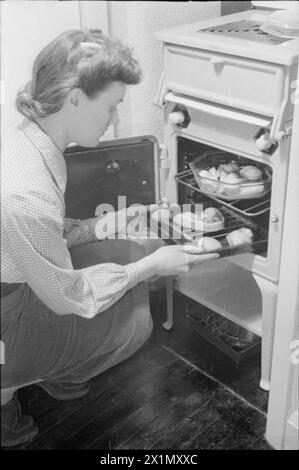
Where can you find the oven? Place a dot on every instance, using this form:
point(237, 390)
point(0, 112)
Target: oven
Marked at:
point(207, 134)
point(225, 93)
point(226, 90)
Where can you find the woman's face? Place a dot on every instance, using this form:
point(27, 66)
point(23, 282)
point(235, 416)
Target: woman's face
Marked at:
point(90, 118)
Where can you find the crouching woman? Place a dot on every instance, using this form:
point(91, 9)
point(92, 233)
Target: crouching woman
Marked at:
point(72, 306)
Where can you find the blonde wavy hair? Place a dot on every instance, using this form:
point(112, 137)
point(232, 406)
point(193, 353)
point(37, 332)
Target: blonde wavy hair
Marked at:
point(85, 59)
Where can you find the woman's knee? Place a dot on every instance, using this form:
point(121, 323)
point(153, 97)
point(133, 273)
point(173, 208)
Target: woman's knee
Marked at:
point(143, 330)
point(149, 328)
point(136, 340)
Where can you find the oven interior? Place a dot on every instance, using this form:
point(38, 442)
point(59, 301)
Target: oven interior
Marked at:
point(252, 212)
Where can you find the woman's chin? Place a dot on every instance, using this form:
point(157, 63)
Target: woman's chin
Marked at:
point(90, 142)
point(93, 143)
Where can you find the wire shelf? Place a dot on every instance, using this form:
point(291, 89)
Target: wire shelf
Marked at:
point(174, 233)
point(231, 339)
point(226, 331)
point(249, 208)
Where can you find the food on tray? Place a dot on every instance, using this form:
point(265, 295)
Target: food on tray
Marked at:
point(188, 221)
point(209, 220)
point(232, 173)
point(223, 176)
point(210, 186)
point(234, 178)
point(205, 174)
point(208, 244)
point(251, 173)
point(211, 174)
point(211, 214)
point(213, 220)
point(229, 167)
point(161, 214)
point(230, 184)
point(240, 237)
point(231, 180)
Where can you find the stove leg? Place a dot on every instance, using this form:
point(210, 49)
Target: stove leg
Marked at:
point(169, 302)
point(269, 293)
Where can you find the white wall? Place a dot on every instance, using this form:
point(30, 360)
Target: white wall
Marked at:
point(135, 23)
point(26, 27)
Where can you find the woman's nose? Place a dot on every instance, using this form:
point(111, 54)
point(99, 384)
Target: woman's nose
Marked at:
point(115, 118)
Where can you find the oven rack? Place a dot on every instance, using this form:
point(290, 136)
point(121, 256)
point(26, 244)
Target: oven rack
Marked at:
point(226, 336)
point(227, 331)
point(172, 233)
point(232, 222)
point(251, 209)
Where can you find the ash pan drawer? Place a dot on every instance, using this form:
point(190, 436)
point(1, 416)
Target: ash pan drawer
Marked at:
point(224, 79)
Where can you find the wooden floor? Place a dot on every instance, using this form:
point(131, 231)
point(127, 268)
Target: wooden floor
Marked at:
point(177, 392)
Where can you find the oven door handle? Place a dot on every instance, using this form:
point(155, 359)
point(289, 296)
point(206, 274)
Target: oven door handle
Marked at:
point(219, 111)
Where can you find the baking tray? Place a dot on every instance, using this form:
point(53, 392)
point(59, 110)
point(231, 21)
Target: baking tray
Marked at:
point(244, 207)
point(228, 191)
point(173, 234)
point(233, 340)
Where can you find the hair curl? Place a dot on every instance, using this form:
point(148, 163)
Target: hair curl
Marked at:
point(85, 59)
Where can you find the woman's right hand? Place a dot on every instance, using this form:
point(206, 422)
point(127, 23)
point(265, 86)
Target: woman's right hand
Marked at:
point(170, 261)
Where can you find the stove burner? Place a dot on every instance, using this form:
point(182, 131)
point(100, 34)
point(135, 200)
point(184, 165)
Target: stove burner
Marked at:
point(245, 29)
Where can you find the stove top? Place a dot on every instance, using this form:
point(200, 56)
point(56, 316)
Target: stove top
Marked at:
point(238, 34)
point(245, 29)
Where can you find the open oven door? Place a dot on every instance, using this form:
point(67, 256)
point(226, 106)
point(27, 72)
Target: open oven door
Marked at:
point(122, 167)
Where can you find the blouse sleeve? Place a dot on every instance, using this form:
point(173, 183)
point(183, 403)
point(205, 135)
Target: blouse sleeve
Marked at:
point(77, 232)
point(33, 237)
point(70, 224)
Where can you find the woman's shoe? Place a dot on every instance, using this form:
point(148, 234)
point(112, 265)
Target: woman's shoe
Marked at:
point(15, 427)
point(65, 391)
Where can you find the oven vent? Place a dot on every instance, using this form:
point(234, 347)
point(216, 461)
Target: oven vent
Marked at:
point(245, 29)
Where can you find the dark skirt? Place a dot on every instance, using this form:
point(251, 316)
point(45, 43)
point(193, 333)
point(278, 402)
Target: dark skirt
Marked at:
point(42, 345)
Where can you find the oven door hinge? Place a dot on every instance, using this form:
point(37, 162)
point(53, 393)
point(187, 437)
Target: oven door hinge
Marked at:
point(165, 165)
point(268, 145)
point(165, 161)
point(161, 93)
point(284, 134)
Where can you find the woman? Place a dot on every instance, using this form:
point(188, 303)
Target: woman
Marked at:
point(72, 306)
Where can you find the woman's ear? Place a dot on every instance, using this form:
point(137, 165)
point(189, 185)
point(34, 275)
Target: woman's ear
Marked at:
point(74, 99)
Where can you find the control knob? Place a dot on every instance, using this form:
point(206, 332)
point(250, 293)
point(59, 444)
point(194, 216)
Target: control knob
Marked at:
point(177, 117)
point(263, 142)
